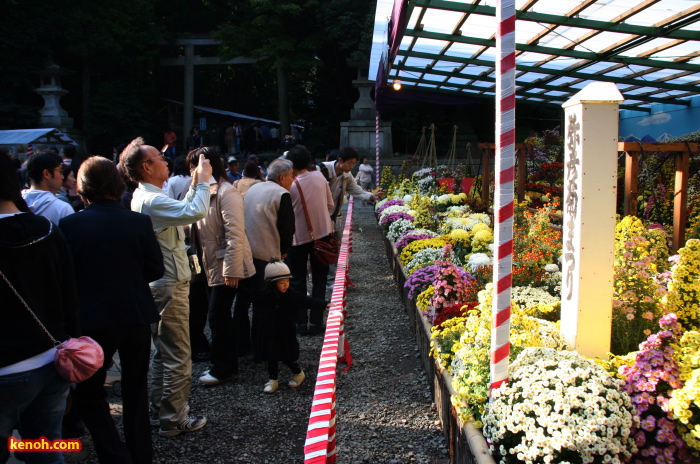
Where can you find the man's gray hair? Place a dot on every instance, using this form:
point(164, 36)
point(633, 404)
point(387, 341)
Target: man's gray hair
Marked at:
point(278, 168)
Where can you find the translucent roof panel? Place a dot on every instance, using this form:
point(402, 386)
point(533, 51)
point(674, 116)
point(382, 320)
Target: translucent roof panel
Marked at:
point(439, 21)
point(462, 49)
point(650, 50)
point(418, 62)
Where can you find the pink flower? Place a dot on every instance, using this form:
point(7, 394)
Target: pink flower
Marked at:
point(648, 423)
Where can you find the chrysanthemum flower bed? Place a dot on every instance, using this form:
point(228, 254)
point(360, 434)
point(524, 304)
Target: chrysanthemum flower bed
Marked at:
point(641, 406)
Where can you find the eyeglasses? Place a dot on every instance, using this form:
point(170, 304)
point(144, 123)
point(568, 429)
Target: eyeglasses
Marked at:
point(159, 155)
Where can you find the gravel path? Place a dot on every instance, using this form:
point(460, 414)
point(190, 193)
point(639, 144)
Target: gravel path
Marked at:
point(385, 409)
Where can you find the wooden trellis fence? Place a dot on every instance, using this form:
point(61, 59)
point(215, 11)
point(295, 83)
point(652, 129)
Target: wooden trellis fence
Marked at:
point(632, 150)
point(682, 151)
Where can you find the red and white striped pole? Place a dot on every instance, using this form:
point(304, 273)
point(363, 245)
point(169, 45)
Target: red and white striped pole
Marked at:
point(30, 150)
point(320, 444)
point(376, 147)
point(503, 206)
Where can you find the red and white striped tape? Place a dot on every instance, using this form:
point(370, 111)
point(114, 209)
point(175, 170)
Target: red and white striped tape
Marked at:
point(376, 148)
point(504, 192)
point(319, 447)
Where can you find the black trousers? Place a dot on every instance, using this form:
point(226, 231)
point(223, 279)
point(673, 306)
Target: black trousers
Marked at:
point(297, 259)
point(89, 398)
point(273, 368)
point(249, 291)
point(224, 360)
point(199, 307)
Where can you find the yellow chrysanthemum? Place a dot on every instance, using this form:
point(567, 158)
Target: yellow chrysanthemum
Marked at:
point(459, 234)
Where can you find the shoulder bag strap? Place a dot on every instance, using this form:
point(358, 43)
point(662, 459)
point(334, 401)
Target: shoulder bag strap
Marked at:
point(306, 213)
point(339, 202)
point(53, 340)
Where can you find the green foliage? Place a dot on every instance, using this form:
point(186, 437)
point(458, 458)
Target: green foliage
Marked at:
point(313, 42)
point(117, 85)
point(278, 33)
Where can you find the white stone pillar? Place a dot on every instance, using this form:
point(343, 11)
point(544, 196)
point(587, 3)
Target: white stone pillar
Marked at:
point(590, 195)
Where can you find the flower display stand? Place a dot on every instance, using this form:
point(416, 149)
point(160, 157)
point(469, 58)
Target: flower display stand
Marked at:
point(466, 443)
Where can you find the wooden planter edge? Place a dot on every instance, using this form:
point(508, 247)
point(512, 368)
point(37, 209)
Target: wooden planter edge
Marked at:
point(467, 443)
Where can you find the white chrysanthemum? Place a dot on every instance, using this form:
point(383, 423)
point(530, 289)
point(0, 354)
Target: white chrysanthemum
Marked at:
point(394, 209)
point(397, 228)
point(443, 199)
point(380, 203)
point(407, 198)
point(424, 256)
point(551, 268)
point(458, 209)
point(478, 260)
point(558, 402)
point(527, 297)
point(422, 232)
point(422, 173)
point(427, 185)
point(481, 217)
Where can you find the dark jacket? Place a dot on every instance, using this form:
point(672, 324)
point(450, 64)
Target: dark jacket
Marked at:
point(274, 326)
point(116, 255)
point(35, 259)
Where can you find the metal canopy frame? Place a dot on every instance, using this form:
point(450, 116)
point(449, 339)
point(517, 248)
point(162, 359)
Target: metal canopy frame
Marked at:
point(649, 48)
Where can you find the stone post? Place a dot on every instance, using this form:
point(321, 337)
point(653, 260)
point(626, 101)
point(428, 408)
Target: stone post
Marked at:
point(590, 195)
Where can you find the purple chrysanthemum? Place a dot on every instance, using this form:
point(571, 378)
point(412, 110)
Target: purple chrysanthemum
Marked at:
point(389, 203)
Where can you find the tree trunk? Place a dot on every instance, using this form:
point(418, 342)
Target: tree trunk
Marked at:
point(283, 96)
point(87, 90)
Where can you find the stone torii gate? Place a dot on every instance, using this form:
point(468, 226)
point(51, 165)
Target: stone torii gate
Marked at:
point(189, 61)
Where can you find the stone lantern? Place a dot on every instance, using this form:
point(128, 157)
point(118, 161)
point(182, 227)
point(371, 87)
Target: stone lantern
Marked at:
point(52, 115)
point(360, 131)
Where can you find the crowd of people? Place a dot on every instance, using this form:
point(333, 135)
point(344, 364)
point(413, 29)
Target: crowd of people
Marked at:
point(155, 252)
point(236, 138)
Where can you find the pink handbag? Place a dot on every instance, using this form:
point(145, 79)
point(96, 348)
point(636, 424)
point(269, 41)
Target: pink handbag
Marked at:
point(76, 359)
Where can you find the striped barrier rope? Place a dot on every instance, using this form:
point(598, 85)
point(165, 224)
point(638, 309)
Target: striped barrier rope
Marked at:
point(376, 148)
point(503, 193)
point(320, 445)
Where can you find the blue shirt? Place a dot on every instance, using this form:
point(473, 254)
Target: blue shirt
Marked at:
point(168, 217)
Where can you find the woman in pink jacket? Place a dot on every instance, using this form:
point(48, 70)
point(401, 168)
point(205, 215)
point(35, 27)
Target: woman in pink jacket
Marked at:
point(318, 204)
point(226, 260)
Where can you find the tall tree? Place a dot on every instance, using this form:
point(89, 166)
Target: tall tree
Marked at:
point(27, 33)
point(279, 33)
point(308, 43)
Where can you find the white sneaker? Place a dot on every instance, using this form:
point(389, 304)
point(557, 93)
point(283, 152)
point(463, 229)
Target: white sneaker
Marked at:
point(190, 424)
point(297, 379)
point(271, 386)
point(210, 380)
point(155, 419)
